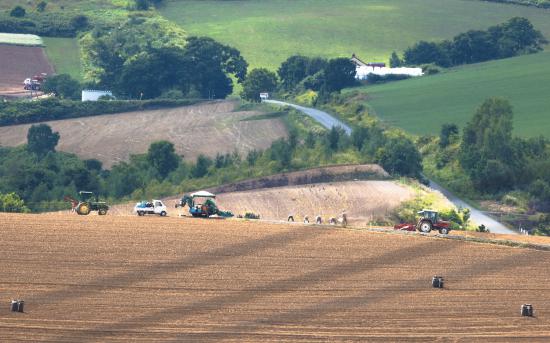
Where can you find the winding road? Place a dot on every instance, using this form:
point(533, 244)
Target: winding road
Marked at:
point(330, 121)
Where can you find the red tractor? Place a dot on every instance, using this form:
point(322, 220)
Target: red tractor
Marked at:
point(429, 220)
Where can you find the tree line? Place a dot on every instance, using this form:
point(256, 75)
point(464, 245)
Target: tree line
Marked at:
point(515, 37)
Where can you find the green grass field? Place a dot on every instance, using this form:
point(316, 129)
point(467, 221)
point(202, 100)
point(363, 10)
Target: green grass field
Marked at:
point(267, 32)
point(422, 105)
point(64, 54)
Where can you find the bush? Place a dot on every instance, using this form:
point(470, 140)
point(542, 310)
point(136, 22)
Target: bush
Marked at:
point(18, 12)
point(46, 24)
point(12, 203)
point(24, 112)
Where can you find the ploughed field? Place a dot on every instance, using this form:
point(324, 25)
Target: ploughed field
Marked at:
point(208, 128)
point(150, 279)
point(18, 63)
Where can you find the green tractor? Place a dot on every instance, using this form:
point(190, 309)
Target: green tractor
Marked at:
point(84, 206)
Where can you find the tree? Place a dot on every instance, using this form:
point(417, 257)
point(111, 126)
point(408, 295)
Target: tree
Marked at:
point(18, 12)
point(142, 5)
point(41, 139)
point(400, 156)
point(334, 138)
point(339, 74)
point(447, 130)
point(395, 61)
point(209, 64)
point(162, 157)
point(80, 22)
point(293, 70)
point(427, 52)
point(41, 6)
point(487, 144)
point(258, 81)
point(201, 167)
point(63, 86)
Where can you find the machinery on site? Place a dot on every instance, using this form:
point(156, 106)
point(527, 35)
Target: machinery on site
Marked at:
point(202, 204)
point(34, 83)
point(150, 207)
point(429, 220)
point(86, 204)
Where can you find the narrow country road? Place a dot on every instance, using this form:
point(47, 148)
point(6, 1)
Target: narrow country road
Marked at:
point(329, 121)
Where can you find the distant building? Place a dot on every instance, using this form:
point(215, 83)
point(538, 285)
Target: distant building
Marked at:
point(94, 95)
point(264, 96)
point(363, 69)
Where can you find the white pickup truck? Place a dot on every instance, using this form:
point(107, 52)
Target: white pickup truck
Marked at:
point(150, 207)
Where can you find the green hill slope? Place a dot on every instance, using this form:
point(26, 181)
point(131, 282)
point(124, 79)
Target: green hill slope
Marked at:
point(267, 32)
point(64, 55)
point(421, 105)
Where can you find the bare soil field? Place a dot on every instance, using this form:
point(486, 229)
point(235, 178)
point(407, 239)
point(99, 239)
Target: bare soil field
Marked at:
point(200, 129)
point(120, 279)
point(18, 63)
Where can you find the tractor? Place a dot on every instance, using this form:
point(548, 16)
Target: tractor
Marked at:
point(429, 220)
point(201, 204)
point(84, 206)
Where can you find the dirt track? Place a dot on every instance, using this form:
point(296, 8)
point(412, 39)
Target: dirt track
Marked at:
point(150, 279)
point(206, 128)
point(18, 63)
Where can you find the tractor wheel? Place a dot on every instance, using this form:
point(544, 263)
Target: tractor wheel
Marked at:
point(444, 231)
point(83, 209)
point(425, 226)
point(140, 213)
point(102, 212)
point(163, 214)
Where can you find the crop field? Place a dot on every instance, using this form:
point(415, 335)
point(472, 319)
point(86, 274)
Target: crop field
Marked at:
point(19, 63)
point(267, 32)
point(20, 39)
point(422, 105)
point(64, 54)
point(200, 129)
point(122, 279)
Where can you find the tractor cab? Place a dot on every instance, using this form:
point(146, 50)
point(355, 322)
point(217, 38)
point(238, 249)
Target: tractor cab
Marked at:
point(86, 196)
point(430, 215)
point(429, 219)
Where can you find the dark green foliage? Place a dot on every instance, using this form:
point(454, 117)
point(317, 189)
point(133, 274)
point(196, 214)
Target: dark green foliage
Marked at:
point(204, 66)
point(359, 136)
point(162, 157)
point(24, 112)
point(80, 22)
point(281, 151)
point(63, 86)
point(447, 130)
point(427, 52)
point(400, 156)
point(253, 156)
point(18, 12)
point(334, 138)
point(514, 37)
point(41, 140)
point(486, 151)
point(375, 79)
point(142, 5)
point(339, 74)
point(258, 81)
point(293, 70)
point(44, 24)
point(395, 61)
point(201, 167)
point(41, 6)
